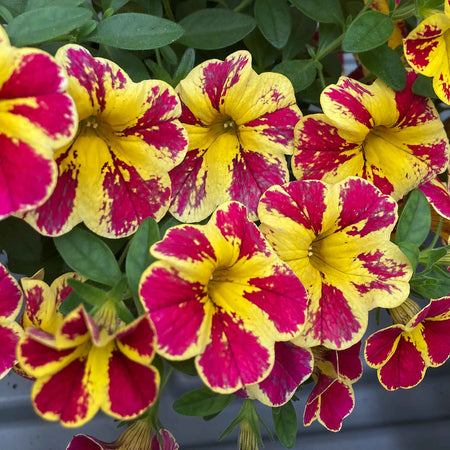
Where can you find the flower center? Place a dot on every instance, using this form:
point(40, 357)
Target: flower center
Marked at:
point(230, 125)
point(90, 122)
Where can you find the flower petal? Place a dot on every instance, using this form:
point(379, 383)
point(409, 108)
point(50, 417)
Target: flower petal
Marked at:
point(10, 295)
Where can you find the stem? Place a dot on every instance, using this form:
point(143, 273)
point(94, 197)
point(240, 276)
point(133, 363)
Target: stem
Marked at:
point(124, 253)
point(168, 10)
point(437, 234)
point(158, 57)
point(324, 52)
point(242, 5)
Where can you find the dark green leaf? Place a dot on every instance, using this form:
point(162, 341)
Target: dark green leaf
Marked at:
point(263, 53)
point(274, 21)
point(432, 255)
point(34, 4)
point(85, 30)
point(187, 62)
point(129, 62)
point(187, 366)
point(385, 64)
point(139, 257)
point(404, 10)
point(426, 7)
point(301, 72)
point(43, 24)
point(424, 86)
point(152, 7)
point(5, 14)
point(168, 222)
point(210, 29)
point(285, 423)
point(202, 402)
point(432, 283)
point(169, 55)
point(91, 294)
point(186, 7)
point(368, 31)
point(72, 301)
point(89, 256)
point(328, 32)
point(158, 72)
point(415, 220)
point(116, 4)
point(302, 31)
point(324, 11)
point(16, 7)
point(411, 251)
point(133, 31)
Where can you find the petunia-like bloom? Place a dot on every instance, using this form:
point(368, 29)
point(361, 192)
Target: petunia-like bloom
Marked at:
point(137, 436)
point(293, 365)
point(115, 173)
point(395, 140)
point(426, 50)
point(240, 127)
point(336, 238)
point(219, 293)
point(38, 117)
point(419, 338)
point(10, 331)
point(332, 398)
point(88, 363)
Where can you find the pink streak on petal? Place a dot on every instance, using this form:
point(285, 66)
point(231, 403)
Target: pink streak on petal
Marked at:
point(437, 337)
point(439, 307)
point(25, 176)
point(37, 74)
point(10, 294)
point(379, 344)
point(419, 50)
point(347, 362)
point(84, 442)
point(225, 362)
point(384, 271)
point(438, 196)
point(9, 339)
point(132, 386)
point(169, 442)
point(140, 337)
point(72, 329)
point(36, 354)
point(188, 117)
point(33, 302)
point(404, 369)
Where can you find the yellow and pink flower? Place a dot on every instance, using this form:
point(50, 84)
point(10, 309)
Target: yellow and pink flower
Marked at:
point(86, 363)
point(419, 338)
point(332, 398)
point(426, 50)
point(395, 140)
point(221, 295)
point(240, 127)
point(115, 173)
point(38, 117)
point(336, 238)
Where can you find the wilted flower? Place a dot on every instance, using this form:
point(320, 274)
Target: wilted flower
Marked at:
point(395, 140)
point(419, 339)
point(38, 117)
point(336, 238)
point(115, 173)
point(240, 127)
point(220, 294)
point(88, 363)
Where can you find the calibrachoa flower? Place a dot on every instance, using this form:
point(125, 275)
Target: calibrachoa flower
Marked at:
point(137, 436)
point(220, 294)
point(10, 331)
point(332, 398)
point(420, 338)
point(395, 140)
point(336, 238)
point(89, 363)
point(38, 117)
point(115, 173)
point(427, 52)
point(293, 365)
point(240, 127)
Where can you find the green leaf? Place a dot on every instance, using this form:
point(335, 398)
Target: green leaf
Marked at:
point(89, 256)
point(134, 31)
point(159, 72)
point(202, 402)
point(187, 62)
point(432, 255)
point(115, 4)
point(16, 7)
point(43, 24)
point(210, 29)
point(424, 86)
point(385, 64)
point(5, 14)
point(274, 21)
point(34, 4)
point(139, 257)
point(285, 423)
point(368, 31)
point(263, 54)
point(129, 62)
point(411, 251)
point(432, 283)
point(301, 72)
point(324, 11)
point(169, 55)
point(302, 31)
point(415, 220)
point(405, 9)
point(91, 294)
point(187, 366)
point(72, 301)
point(424, 8)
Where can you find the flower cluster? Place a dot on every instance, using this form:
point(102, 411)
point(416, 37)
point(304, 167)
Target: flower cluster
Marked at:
point(255, 239)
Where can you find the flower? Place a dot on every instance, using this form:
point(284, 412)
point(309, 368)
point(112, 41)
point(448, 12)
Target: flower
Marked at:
point(88, 363)
point(115, 173)
point(137, 436)
point(10, 331)
point(336, 238)
point(38, 117)
point(395, 140)
point(240, 126)
point(427, 53)
point(220, 294)
point(293, 365)
point(419, 338)
point(332, 398)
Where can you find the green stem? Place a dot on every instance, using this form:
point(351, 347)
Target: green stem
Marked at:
point(124, 253)
point(158, 58)
point(329, 48)
point(168, 10)
point(436, 235)
point(242, 5)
